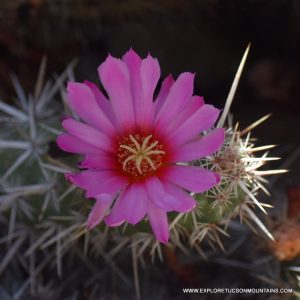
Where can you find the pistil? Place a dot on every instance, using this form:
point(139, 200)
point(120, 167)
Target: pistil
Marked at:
point(142, 154)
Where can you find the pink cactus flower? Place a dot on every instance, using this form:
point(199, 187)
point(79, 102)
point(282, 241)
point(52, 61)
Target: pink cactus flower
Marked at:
point(132, 143)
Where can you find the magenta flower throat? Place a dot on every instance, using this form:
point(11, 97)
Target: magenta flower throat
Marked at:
point(137, 149)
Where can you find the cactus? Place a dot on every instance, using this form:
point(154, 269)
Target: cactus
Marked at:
point(43, 216)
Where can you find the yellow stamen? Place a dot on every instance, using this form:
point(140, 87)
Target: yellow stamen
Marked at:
point(136, 143)
point(128, 148)
point(151, 146)
point(146, 140)
point(155, 152)
point(141, 153)
point(150, 162)
point(129, 158)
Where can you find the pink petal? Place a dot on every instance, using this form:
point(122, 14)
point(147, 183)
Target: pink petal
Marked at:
point(116, 216)
point(159, 196)
point(163, 93)
point(144, 75)
point(100, 161)
point(194, 179)
point(87, 134)
point(103, 203)
point(70, 143)
point(201, 120)
point(184, 202)
point(133, 62)
point(89, 179)
point(115, 78)
point(112, 185)
point(97, 182)
point(83, 102)
point(180, 93)
point(150, 73)
point(102, 101)
point(194, 104)
point(159, 222)
point(134, 203)
point(200, 147)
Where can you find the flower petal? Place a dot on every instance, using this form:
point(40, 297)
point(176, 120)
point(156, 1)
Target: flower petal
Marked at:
point(184, 201)
point(200, 147)
point(70, 143)
point(133, 62)
point(83, 102)
point(194, 179)
point(87, 134)
point(158, 195)
point(144, 75)
point(99, 161)
point(134, 203)
point(97, 182)
point(102, 205)
point(180, 93)
point(163, 93)
point(102, 101)
point(116, 217)
point(202, 119)
point(115, 78)
point(194, 104)
point(150, 73)
point(159, 222)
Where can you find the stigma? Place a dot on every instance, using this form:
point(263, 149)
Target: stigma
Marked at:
point(140, 156)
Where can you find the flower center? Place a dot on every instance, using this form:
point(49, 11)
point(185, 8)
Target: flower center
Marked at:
point(139, 155)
